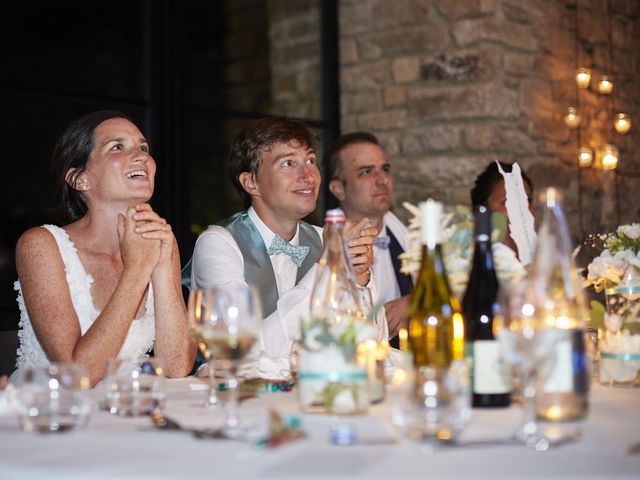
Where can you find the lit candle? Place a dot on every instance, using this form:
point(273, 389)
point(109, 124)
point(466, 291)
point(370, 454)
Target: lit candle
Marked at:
point(610, 156)
point(572, 118)
point(622, 123)
point(605, 86)
point(585, 157)
point(583, 77)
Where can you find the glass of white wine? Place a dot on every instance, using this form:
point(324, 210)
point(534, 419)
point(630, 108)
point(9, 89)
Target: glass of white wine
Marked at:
point(227, 319)
point(526, 342)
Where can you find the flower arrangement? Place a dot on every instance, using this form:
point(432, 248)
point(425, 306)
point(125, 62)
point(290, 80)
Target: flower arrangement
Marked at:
point(619, 260)
point(617, 271)
point(457, 248)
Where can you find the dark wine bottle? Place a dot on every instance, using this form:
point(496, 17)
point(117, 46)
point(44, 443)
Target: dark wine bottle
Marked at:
point(490, 374)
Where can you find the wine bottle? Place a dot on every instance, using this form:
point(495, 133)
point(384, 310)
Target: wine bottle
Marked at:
point(555, 292)
point(490, 375)
point(435, 330)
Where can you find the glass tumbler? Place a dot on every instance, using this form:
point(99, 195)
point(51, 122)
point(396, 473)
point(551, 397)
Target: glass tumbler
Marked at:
point(54, 398)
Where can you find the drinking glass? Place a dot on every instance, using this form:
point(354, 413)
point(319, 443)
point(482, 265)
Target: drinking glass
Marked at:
point(197, 318)
point(526, 342)
point(227, 319)
point(134, 386)
point(54, 398)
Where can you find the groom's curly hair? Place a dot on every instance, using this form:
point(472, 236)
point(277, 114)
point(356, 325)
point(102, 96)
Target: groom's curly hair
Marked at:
point(259, 136)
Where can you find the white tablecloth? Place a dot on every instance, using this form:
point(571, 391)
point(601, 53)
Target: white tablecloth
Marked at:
point(117, 447)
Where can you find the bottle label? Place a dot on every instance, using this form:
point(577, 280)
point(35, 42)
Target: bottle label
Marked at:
point(491, 373)
point(559, 371)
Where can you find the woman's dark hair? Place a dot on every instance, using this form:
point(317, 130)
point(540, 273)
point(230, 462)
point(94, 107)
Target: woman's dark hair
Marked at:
point(73, 151)
point(485, 182)
point(263, 134)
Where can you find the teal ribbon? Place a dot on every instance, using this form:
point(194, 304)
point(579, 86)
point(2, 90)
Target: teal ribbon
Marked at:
point(629, 357)
point(333, 376)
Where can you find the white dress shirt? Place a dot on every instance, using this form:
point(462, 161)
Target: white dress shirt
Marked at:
point(217, 260)
point(382, 269)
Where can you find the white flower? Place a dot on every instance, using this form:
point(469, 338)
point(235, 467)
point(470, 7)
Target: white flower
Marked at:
point(632, 231)
point(613, 322)
point(607, 268)
point(364, 332)
point(310, 338)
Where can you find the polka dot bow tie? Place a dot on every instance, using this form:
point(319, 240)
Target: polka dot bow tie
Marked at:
point(382, 242)
point(297, 253)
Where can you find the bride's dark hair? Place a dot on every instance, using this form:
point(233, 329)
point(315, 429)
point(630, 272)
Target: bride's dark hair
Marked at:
point(72, 153)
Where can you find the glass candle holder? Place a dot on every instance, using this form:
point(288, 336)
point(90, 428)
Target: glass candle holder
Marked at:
point(572, 118)
point(583, 77)
point(622, 123)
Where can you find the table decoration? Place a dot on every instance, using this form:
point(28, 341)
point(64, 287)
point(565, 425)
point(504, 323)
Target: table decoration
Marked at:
point(616, 271)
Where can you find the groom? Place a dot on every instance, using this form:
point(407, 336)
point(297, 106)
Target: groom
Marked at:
point(274, 168)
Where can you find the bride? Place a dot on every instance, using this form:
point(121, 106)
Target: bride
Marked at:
point(106, 283)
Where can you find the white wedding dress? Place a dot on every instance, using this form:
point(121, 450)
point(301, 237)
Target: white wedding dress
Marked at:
point(141, 334)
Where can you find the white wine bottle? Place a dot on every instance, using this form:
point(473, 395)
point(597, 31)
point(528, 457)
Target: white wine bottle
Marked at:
point(490, 375)
point(435, 331)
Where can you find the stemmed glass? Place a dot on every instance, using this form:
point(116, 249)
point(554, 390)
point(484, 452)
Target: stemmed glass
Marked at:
point(197, 317)
point(526, 342)
point(227, 321)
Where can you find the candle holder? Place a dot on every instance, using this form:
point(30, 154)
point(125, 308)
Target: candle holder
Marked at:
point(583, 77)
point(622, 123)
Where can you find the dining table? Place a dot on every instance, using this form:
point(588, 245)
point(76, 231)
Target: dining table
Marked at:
point(125, 447)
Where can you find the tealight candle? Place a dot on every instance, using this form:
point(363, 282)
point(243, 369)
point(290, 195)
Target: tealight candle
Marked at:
point(583, 77)
point(572, 118)
point(622, 123)
point(585, 157)
point(610, 155)
point(605, 86)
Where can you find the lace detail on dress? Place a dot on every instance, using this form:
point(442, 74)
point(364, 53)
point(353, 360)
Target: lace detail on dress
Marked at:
point(141, 334)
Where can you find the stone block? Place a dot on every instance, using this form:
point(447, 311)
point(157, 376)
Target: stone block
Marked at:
point(395, 96)
point(384, 120)
point(498, 138)
point(453, 102)
point(389, 14)
point(368, 76)
point(390, 145)
point(348, 51)
point(361, 102)
point(369, 49)
point(434, 138)
point(513, 35)
point(411, 145)
point(457, 9)
point(451, 67)
point(520, 64)
point(411, 40)
point(354, 19)
point(405, 69)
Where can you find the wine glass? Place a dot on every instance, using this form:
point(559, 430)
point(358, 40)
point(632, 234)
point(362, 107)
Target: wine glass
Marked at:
point(227, 321)
point(526, 342)
point(197, 317)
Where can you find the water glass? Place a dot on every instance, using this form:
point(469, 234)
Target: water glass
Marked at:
point(54, 398)
point(134, 387)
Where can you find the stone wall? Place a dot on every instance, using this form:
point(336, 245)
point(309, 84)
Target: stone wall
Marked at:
point(450, 85)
